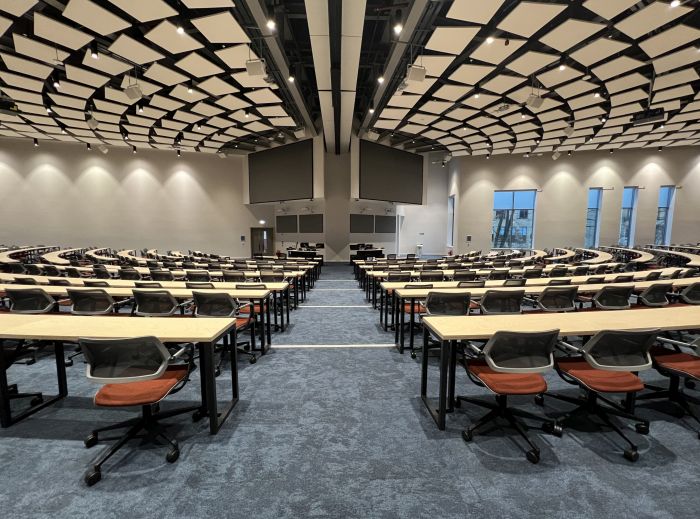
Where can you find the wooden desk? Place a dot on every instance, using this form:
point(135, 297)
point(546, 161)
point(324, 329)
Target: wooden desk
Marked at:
point(449, 330)
point(56, 257)
point(65, 328)
point(693, 259)
point(566, 254)
point(8, 255)
point(636, 256)
point(598, 256)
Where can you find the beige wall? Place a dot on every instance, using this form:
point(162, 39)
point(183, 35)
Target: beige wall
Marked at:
point(560, 210)
point(62, 194)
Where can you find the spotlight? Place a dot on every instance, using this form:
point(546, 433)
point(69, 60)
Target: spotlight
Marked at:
point(93, 51)
point(488, 156)
point(612, 151)
point(180, 29)
point(398, 28)
point(596, 95)
point(246, 114)
point(569, 153)
point(380, 79)
point(63, 130)
point(290, 79)
point(522, 116)
point(199, 126)
point(556, 155)
point(56, 84)
point(189, 88)
point(133, 150)
point(476, 93)
point(398, 25)
point(675, 3)
point(178, 153)
point(92, 123)
point(562, 67)
point(48, 109)
point(271, 24)
point(89, 148)
point(371, 108)
point(527, 155)
point(36, 143)
point(489, 40)
point(140, 109)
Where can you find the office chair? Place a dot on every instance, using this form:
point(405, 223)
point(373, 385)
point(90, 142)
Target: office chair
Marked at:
point(147, 284)
point(137, 371)
point(671, 361)
point(59, 282)
point(600, 269)
point(196, 285)
point(235, 276)
point(515, 282)
point(611, 297)
point(101, 272)
point(690, 294)
point(581, 270)
point(607, 364)
point(410, 256)
point(95, 284)
point(498, 275)
point(690, 273)
point(558, 282)
point(201, 276)
point(33, 270)
point(188, 265)
point(496, 302)
point(391, 256)
point(161, 275)
point(15, 268)
point(220, 304)
point(558, 272)
point(269, 276)
point(431, 276)
point(169, 265)
point(654, 295)
point(25, 281)
point(480, 283)
point(557, 299)
point(464, 275)
point(532, 273)
point(675, 274)
point(129, 273)
point(511, 364)
point(152, 264)
point(624, 278)
point(155, 303)
point(653, 275)
point(73, 272)
point(32, 301)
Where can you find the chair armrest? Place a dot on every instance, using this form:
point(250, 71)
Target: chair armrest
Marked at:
point(244, 305)
point(569, 347)
point(184, 349)
point(692, 345)
point(474, 348)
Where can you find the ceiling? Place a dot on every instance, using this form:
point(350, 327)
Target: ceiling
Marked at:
point(593, 64)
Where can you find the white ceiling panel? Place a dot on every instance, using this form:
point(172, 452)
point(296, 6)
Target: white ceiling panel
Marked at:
point(133, 50)
point(264, 96)
point(37, 50)
point(164, 75)
point(167, 37)
point(17, 7)
point(529, 17)
point(649, 18)
point(557, 76)
point(85, 76)
point(25, 66)
point(105, 64)
point(681, 58)
point(598, 50)
point(570, 33)
point(59, 33)
point(471, 74)
point(198, 65)
point(477, 11)
point(236, 56)
point(495, 50)
point(217, 86)
point(96, 18)
point(609, 9)
point(687, 75)
point(208, 4)
point(616, 67)
point(451, 40)
point(531, 62)
point(503, 83)
point(221, 27)
point(145, 10)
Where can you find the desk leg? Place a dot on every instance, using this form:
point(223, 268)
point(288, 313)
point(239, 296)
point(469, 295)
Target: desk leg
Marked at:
point(296, 293)
point(452, 374)
point(263, 335)
point(5, 412)
point(286, 297)
point(439, 413)
point(424, 365)
point(410, 325)
point(374, 293)
point(274, 309)
point(381, 306)
point(269, 327)
point(394, 317)
point(208, 381)
point(401, 303)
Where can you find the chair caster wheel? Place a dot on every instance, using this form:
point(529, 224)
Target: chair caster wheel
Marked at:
point(172, 456)
point(92, 477)
point(631, 454)
point(642, 428)
point(689, 384)
point(90, 441)
point(36, 400)
point(533, 456)
point(539, 399)
point(68, 363)
point(458, 403)
point(217, 372)
point(30, 362)
point(467, 435)
point(413, 355)
point(253, 359)
point(553, 428)
point(197, 416)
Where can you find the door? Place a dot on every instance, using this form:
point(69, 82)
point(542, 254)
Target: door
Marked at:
point(262, 241)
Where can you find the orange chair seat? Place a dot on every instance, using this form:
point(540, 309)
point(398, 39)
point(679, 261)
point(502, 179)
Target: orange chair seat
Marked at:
point(600, 380)
point(258, 309)
point(507, 383)
point(417, 308)
point(141, 393)
point(242, 322)
point(474, 305)
point(682, 364)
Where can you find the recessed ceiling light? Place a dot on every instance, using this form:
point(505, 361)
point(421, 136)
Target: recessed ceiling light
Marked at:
point(562, 67)
point(398, 28)
point(380, 79)
point(36, 143)
point(48, 109)
point(489, 40)
point(57, 84)
point(675, 3)
point(371, 109)
point(140, 108)
point(290, 79)
point(89, 148)
point(271, 24)
point(596, 95)
point(180, 29)
point(178, 153)
point(133, 150)
point(93, 51)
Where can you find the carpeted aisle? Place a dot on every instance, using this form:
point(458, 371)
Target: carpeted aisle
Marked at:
point(337, 433)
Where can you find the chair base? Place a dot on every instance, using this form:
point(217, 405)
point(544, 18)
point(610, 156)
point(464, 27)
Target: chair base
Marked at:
point(590, 405)
point(148, 422)
point(676, 395)
point(500, 409)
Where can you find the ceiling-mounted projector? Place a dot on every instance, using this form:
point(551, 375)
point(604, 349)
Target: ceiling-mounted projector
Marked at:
point(92, 123)
point(300, 133)
point(569, 130)
point(133, 92)
point(648, 117)
point(103, 149)
point(534, 101)
point(415, 73)
point(256, 67)
point(372, 135)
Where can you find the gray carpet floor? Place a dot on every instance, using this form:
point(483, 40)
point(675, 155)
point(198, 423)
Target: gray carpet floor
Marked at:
point(339, 432)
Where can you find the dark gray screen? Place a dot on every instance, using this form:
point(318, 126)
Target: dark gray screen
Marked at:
point(385, 224)
point(287, 224)
point(390, 174)
point(310, 223)
point(282, 173)
point(361, 223)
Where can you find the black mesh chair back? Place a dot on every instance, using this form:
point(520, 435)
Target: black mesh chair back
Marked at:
point(558, 299)
point(624, 278)
point(676, 274)
point(51, 270)
point(233, 276)
point(198, 275)
point(620, 350)
point(147, 284)
point(502, 301)
point(613, 297)
point(30, 300)
point(251, 286)
point(152, 264)
point(690, 273)
point(169, 264)
point(498, 274)
point(521, 352)
point(472, 284)
point(269, 276)
point(447, 303)
point(559, 282)
point(600, 269)
point(33, 270)
point(100, 272)
point(391, 256)
point(431, 276)
point(129, 273)
point(653, 275)
point(27, 281)
point(59, 282)
point(214, 304)
point(196, 285)
point(115, 361)
point(691, 294)
point(95, 284)
point(558, 272)
point(595, 280)
point(519, 282)
point(410, 256)
point(532, 273)
point(655, 295)
point(393, 277)
point(95, 301)
point(581, 270)
point(72, 272)
point(15, 268)
point(161, 275)
point(188, 265)
point(464, 275)
point(154, 303)
point(418, 286)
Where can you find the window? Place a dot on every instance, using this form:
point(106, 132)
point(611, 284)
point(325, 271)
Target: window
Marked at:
point(628, 215)
point(451, 221)
point(664, 215)
point(513, 219)
point(595, 195)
